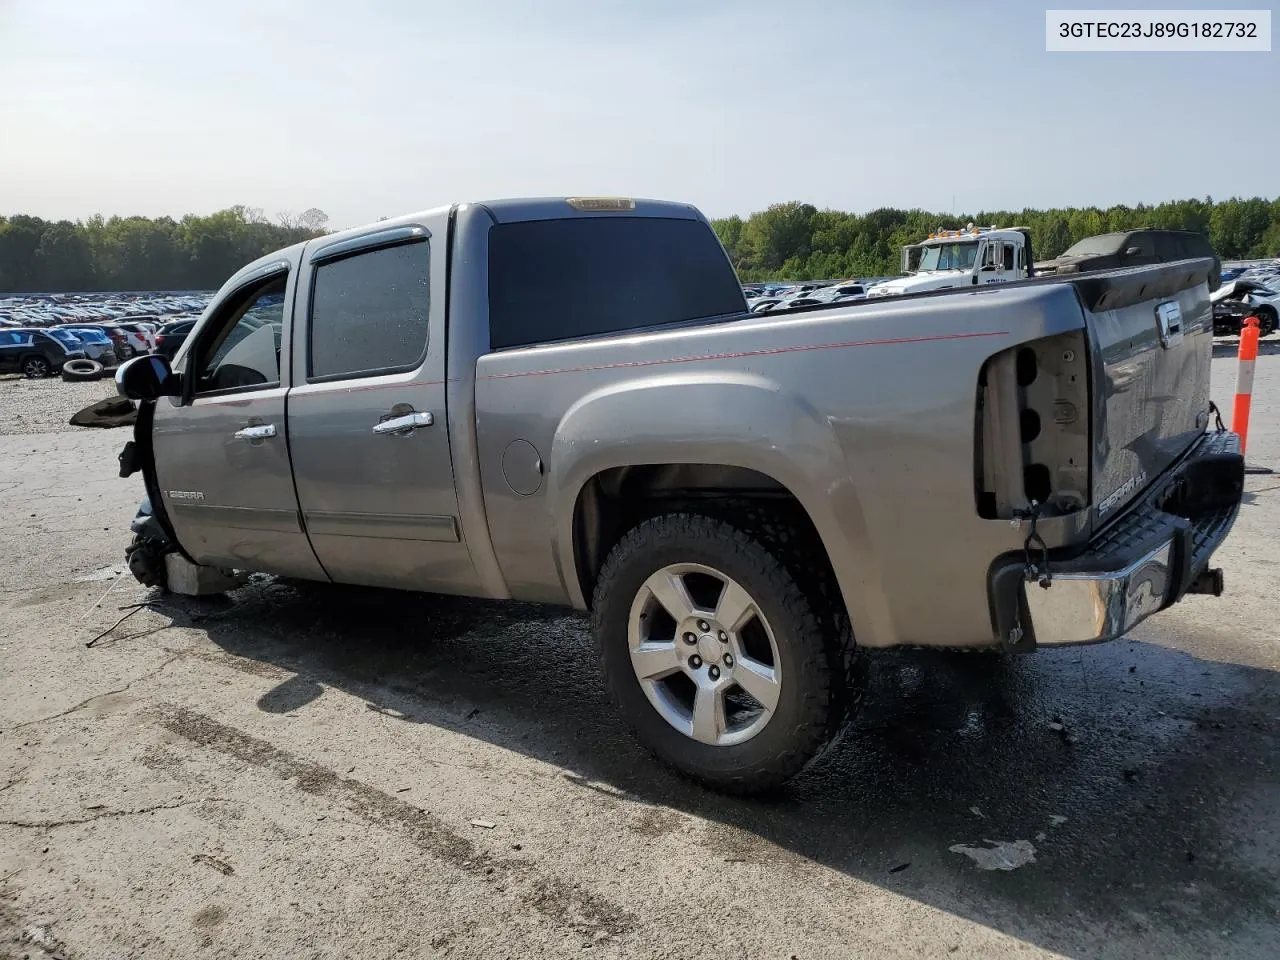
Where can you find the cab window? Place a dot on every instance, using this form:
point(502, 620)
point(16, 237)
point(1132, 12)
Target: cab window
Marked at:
point(369, 313)
point(241, 349)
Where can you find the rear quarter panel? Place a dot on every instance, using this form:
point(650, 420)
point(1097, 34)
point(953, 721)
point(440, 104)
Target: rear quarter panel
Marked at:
point(864, 412)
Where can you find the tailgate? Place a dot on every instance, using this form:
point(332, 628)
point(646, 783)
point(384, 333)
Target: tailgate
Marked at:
point(1153, 333)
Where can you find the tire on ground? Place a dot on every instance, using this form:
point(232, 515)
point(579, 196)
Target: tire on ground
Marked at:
point(79, 371)
point(815, 647)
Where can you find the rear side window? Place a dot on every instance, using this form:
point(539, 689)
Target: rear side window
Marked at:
point(369, 313)
point(1198, 246)
point(553, 280)
point(1169, 246)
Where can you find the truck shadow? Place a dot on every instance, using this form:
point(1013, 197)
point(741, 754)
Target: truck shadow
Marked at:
point(1123, 769)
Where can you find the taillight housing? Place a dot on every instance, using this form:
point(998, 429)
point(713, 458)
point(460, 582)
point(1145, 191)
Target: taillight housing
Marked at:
point(1033, 420)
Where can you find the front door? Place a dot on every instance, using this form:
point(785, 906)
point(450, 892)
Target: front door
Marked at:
point(367, 424)
point(221, 453)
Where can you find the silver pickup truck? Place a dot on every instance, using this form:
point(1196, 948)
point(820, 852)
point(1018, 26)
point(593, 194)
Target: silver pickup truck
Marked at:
point(566, 401)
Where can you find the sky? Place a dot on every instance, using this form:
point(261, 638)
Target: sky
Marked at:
point(372, 109)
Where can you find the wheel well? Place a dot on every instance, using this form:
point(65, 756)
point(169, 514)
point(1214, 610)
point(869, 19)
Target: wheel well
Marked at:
point(616, 500)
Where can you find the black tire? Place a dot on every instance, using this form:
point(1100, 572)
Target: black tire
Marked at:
point(81, 371)
point(36, 368)
point(814, 646)
point(1266, 320)
point(145, 557)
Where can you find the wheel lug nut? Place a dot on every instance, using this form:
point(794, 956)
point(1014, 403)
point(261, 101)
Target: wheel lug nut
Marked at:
point(690, 639)
point(724, 637)
point(695, 661)
point(714, 673)
point(728, 660)
point(703, 625)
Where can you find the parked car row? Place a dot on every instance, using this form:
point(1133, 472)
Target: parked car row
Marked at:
point(1252, 291)
point(763, 298)
point(61, 309)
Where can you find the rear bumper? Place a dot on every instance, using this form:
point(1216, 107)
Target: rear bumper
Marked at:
point(1145, 560)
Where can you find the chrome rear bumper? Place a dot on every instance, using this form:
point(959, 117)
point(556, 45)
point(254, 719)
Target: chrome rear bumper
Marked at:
point(1145, 560)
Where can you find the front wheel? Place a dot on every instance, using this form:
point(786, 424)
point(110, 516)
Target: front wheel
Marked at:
point(35, 368)
point(1266, 320)
point(717, 655)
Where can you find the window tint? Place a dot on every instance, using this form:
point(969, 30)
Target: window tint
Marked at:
point(1169, 247)
point(1198, 246)
point(555, 280)
point(242, 348)
point(369, 312)
point(1146, 248)
point(1008, 256)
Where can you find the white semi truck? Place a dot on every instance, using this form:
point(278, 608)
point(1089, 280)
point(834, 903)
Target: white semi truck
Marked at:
point(961, 258)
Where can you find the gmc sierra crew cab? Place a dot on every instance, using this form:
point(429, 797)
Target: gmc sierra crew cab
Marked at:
point(567, 401)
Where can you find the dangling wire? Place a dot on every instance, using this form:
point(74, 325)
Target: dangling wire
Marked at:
point(1037, 571)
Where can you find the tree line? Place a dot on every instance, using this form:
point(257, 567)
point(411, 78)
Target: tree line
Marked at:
point(139, 253)
point(797, 241)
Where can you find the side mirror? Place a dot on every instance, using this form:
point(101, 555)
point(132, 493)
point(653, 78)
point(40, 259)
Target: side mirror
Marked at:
point(147, 378)
point(1133, 252)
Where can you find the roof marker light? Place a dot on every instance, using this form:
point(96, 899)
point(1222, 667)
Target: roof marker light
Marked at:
point(602, 204)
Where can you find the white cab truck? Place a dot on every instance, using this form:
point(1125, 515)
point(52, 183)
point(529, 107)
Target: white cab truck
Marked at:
point(961, 258)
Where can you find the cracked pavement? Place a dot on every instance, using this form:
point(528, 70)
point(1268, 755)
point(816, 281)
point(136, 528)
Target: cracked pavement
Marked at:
point(301, 771)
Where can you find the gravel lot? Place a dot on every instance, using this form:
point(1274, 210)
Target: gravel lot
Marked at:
point(45, 406)
point(300, 771)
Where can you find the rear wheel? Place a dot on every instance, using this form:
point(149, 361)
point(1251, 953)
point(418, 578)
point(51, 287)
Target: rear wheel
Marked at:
point(718, 654)
point(34, 368)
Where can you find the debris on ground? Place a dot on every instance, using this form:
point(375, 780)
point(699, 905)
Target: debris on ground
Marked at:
point(221, 866)
point(486, 824)
point(1000, 855)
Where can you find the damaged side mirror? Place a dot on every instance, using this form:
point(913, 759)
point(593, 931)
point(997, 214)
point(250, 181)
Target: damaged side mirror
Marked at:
point(148, 378)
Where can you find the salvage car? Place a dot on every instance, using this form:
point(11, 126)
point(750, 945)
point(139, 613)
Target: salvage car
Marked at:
point(1133, 248)
point(92, 340)
point(1243, 298)
point(35, 353)
point(566, 401)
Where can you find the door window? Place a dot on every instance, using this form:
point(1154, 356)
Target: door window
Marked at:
point(241, 349)
point(1143, 243)
point(1008, 256)
point(369, 313)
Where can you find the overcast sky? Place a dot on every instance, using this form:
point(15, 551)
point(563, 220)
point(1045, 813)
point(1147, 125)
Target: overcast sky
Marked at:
point(388, 106)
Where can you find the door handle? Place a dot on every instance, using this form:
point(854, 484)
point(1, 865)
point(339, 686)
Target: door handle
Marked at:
point(257, 433)
point(405, 424)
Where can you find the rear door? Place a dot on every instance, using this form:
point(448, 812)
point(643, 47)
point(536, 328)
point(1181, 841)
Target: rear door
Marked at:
point(221, 454)
point(367, 424)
